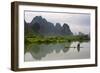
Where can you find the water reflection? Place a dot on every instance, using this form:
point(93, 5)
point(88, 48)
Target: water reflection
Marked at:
point(40, 51)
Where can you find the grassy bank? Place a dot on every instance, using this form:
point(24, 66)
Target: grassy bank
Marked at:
point(55, 39)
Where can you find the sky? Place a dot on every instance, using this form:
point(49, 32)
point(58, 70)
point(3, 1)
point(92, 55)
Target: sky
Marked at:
point(78, 22)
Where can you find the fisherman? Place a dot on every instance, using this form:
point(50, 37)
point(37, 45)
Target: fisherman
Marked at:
point(78, 47)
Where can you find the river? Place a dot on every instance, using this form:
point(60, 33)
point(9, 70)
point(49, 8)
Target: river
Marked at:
point(57, 51)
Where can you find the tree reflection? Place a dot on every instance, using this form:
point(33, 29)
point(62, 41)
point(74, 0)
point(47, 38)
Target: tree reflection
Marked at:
point(38, 51)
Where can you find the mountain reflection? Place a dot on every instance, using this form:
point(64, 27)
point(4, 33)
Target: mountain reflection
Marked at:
point(38, 51)
point(57, 51)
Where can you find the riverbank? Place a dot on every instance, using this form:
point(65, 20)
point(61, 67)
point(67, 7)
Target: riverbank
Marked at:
point(55, 39)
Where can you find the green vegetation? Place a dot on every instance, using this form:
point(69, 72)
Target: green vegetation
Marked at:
point(55, 39)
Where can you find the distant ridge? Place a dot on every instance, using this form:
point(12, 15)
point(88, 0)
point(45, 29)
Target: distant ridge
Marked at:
point(40, 26)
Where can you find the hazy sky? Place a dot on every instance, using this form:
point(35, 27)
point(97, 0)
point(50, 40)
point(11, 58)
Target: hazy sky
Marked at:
point(77, 22)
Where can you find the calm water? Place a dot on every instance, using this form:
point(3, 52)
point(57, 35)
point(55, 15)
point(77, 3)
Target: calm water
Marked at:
point(58, 51)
